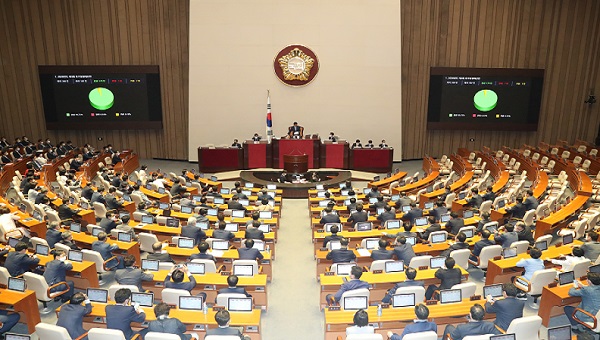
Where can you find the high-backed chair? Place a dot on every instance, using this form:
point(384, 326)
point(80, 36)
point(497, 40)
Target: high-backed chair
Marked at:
point(375, 336)
point(162, 336)
point(36, 240)
point(420, 261)
point(487, 253)
point(419, 292)
point(521, 246)
point(467, 228)
point(108, 334)
point(547, 238)
point(478, 337)
point(209, 265)
point(113, 289)
point(486, 207)
point(38, 284)
point(63, 247)
point(146, 241)
point(529, 217)
point(355, 292)
point(461, 257)
point(222, 299)
point(99, 210)
point(449, 199)
point(467, 289)
point(4, 275)
point(534, 286)
point(170, 296)
point(525, 328)
point(581, 268)
point(101, 265)
point(47, 331)
point(378, 265)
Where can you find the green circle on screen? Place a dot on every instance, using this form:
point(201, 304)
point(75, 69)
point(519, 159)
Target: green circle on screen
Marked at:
point(101, 98)
point(485, 100)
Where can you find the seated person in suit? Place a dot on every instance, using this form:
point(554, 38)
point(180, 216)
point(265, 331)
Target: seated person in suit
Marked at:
point(433, 226)
point(489, 194)
point(342, 255)
point(403, 200)
point(506, 238)
point(485, 219)
point(56, 271)
point(53, 234)
point(178, 189)
point(192, 231)
point(130, 275)
point(448, 276)
point(369, 144)
point(203, 255)
point(223, 318)
point(530, 201)
point(374, 193)
point(333, 237)
point(454, 224)
point(249, 253)
point(380, 202)
point(252, 231)
point(411, 274)
point(67, 240)
point(122, 314)
point(223, 234)
point(71, 314)
point(475, 200)
point(106, 251)
point(352, 205)
point(18, 261)
point(414, 212)
point(479, 245)
point(383, 144)
point(532, 264)
point(8, 228)
point(361, 324)
point(359, 216)
point(382, 253)
point(507, 308)
point(591, 246)
point(236, 144)
point(420, 324)
point(264, 205)
point(439, 210)
point(232, 288)
point(406, 233)
point(159, 254)
point(590, 301)
point(356, 144)
point(296, 131)
point(165, 324)
point(8, 321)
point(234, 204)
point(175, 278)
point(112, 202)
point(518, 210)
point(237, 192)
point(386, 215)
point(403, 251)
point(525, 234)
point(255, 217)
point(202, 213)
point(475, 325)
point(332, 137)
point(109, 222)
point(354, 283)
point(459, 243)
point(329, 216)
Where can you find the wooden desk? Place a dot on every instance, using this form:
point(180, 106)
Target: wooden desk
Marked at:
point(374, 160)
point(155, 195)
point(310, 147)
point(83, 274)
point(210, 283)
point(37, 228)
point(388, 180)
point(334, 154)
point(86, 240)
point(553, 300)
point(23, 303)
point(220, 159)
point(461, 166)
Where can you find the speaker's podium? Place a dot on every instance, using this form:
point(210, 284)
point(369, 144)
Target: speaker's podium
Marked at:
point(295, 164)
point(257, 154)
point(309, 146)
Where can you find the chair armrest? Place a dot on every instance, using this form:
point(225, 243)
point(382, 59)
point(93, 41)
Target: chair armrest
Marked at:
point(586, 313)
point(82, 336)
point(525, 280)
point(58, 285)
point(220, 268)
point(476, 263)
point(110, 259)
point(136, 337)
point(366, 268)
point(260, 269)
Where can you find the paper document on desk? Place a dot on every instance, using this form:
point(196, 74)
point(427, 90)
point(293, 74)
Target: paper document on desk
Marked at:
point(216, 253)
point(364, 252)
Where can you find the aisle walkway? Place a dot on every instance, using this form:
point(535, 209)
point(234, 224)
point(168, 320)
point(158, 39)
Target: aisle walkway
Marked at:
point(294, 293)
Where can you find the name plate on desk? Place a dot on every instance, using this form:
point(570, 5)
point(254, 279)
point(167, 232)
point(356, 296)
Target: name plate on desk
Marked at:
point(378, 271)
point(431, 302)
point(475, 297)
point(423, 267)
point(218, 308)
point(225, 273)
point(552, 285)
point(334, 308)
point(329, 273)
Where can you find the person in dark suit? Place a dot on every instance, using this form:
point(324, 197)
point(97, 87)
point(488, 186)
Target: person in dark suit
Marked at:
point(591, 247)
point(116, 159)
point(374, 192)
point(109, 222)
point(489, 194)
point(479, 245)
point(380, 203)
point(458, 244)
point(122, 314)
point(329, 216)
point(359, 216)
point(383, 144)
point(158, 254)
point(71, 315)
point(475, 325)
point(87, 191)
point(53, 234)
point(222, 317)
point(475, 200)
point(433, 226)
point(203, 248)
point(65, 212)
point(295, 131)
point(406, 233)
point(454, 224)
point(354, 283)
point(232, 288)
point(249, 253)
point(234, 204)
point(386, 215)
point(382, 253)
point(403, 251)
point(130, 275)
point(524, 233)
point(485, 219)
point(31, 183)
point(518, 210)
point(414, 212)
point(439, 210)
point(175, 279)
point(56, 271)
point(530, 201)
point(507, 237)
point(352, 205)
point(420, 324)
point(192, 231)
point(221, 233)
point(67, 240)
point(178, 189)
point(333, 237)
point(18, 262)
point(256, 138)
point(98, 196)
point(106, 251)
point(448, 276)
point(411, 274)
point(342, 255)
point(506, 309)
point(8, 320)
point(165, 324)
point(112, 202)
point(252, 232)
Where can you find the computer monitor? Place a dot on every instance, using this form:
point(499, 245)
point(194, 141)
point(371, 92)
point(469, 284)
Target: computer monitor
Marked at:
point(123, 214)
point(344, 268)
point(13, 336)
point(36, 214)
point(420, 221)
point(97, 295)
point(366, 190)
point(450, 295)
point(233, 227)
point(412, 240)
point(445, 218)
point(212, 212)
point(271, 186)
point(372, 244)
point(380, 211)
point(541, 245)
point(96, 231)
point(364, 226)
point(239, 304)
point(161, 190)
point(12, 242)
point(393, 224)
point(22, 207)
point(224, 191)
point(197, 198)
point(428, 205)
point(147, 219)
point(594, 268)
point(342, 185)
point(321, 194)
point(220, 245)
point(243, 270)
point(355, 302)
point(320, 187)
point(124, 237)
point(247, 192)
point(405, 208)
point(265, 228)
point(376, 178)
point(469, 232)
point(265, 215)
point(151, 265)
point(328, 226)
point(566, 278)
point(347, 202)
point(244, 202)
point(143, 299)
point(560, 333)
point(372, 200)
point(394, 266)
point(462, 195)
point(75, 227)
point(260, 246)
point(500, 204)
point(126, 198)
point(438, 237)
point(468, 213)
point(186, 210)
point(42, 249)
point(75, 255)
point(510, 336)
point(493, 291)
point(429, 190)
point(394, 198)
point(238, 213)
point(249, 185)
point(324, 203)
point(335, 244)
point(567, 239)
point(84, 205)
point(16, 284)
point(163, 206)
point(218, 200)
point(344, 192)
point(196, 268)
point(191, 302)
point(437, 262)
point(184, 242)
point(149, 186)
point(403, 300)
point(202, 225)
point(509, 252)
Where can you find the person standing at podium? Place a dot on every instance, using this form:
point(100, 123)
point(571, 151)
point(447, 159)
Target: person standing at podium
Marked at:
point(296, 131)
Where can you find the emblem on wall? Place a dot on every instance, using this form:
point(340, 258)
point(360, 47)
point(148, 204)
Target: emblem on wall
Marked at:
point(296, 65)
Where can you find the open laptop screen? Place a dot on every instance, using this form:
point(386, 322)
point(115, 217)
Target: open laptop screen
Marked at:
point(243, 270)
point(184, 242)
point(344, 268)
point(566, 278)
point(75, 255)
point(541, 245)
point(438, 237)
point(468, 213)
point(445, 218)
point(16, 284)
point(75, 227)
point(392, 224)
point(560, 333)
point(220, 245)
point(13, 336)
point(195, 268)
point(265, 215)
point(364, 226)
point(237, 213)
point(147, 219)
point(143, 299)
point(372, 244)
point(403, 300)
point(191, 302)
point(450, 295)
point(420, 221)
point(239, 304)
point(42, 249)
point(97, 295)
point(492, 290)
point(355, 302)
point(394, 266)
point(150, 265)
point(437, 262)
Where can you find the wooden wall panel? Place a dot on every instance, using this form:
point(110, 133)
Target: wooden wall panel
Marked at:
point(107, 32)
point(562, 37)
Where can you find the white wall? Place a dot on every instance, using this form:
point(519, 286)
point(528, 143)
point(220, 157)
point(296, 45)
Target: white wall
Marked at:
point(356, 94)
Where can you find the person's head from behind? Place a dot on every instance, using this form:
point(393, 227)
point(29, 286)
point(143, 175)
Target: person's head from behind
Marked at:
point(593, 236)
point(122, 295)
point(77, 299)
point(509, 228)
point(359, 206)
point(485, 216)
point(461, 237)
point(535, 253)
point(411, 273)
point(249, 243)
point(222, 225)
point(256, 215)
point(177, 275)
point(157, 247)
point(102, 236)
point(21, 246)
point(264, 201)
point(401, 240)
point(128, 260)
point(594, 278)
point(203, 247)
point(361, 318)
point(58, 253)
point(431, 219)
point(335, 229)
point(510, 289)
point(421, 311)
point(161, 310)
point(520, 226)
point(450, 262)
point(388, 208)
point(382, 244)
point(222, 318)
point(578, 252)
point(477, 312)
point(355, 272)
point(232, 280)
point(344, 242)
point(454, 214)
point(485, 234)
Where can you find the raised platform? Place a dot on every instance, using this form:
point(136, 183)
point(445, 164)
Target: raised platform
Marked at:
point(332, 178)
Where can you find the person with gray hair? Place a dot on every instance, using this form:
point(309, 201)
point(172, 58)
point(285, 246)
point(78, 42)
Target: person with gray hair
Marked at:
point(53, 234)
point(67, 240)
point(191, 230)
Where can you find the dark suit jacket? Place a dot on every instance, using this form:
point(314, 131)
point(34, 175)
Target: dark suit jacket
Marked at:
point(382, 254)
point(56, 271)
point(330, 238)
point(341, 256)
point(249, 254)
point(473, 328)
point(449, 277)
point(107, 224)
point(180, 285)
point(416, 327)
point(223, 234)
point(404, 252)
point(475, 201)
point(233, 290)
point(235, 206)
point(437, 212)
point(412, 214)
point(479, 245)
point(350, 285)
point(254, 233)
point(359, 216)
point(223, 331)
point(506, 310)
point(112, 202)
point(330, 218)
point(104, 249)
point(120, 317)
point(591, 250)
point(97, 197)
point(53, 237)
point(454, 225)
point(17, 263)
point(489, 196)
point(518, 210)
point(70, 244)
point(193, 232)
point(530, 203)
point(87, 192)
point(177, 189)
point(386, 216)
point(507, 238)
point(527, 235)
point(132, 276)
point(168, 325)
point(64, 212)
point(71, 318)
point(430, 229)
point(455, 246)
point(202, 257)
point(162, 257)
